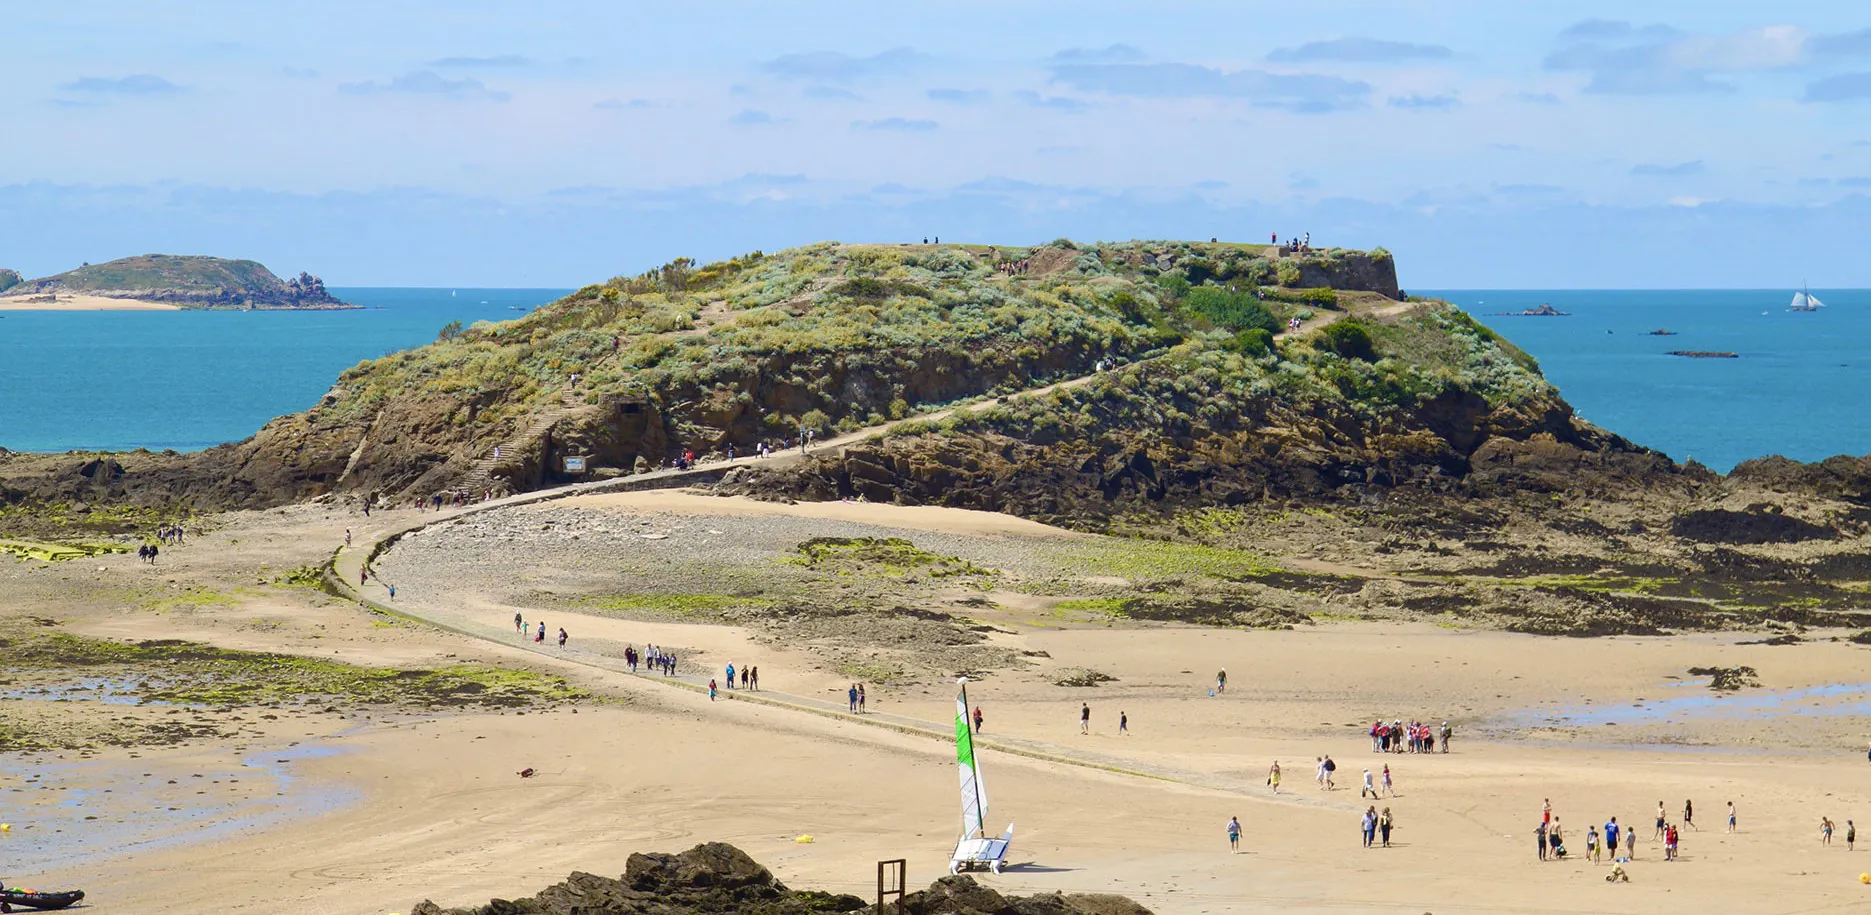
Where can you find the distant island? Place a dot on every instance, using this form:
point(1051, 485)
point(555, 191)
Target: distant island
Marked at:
point(167, 282)
point(1662, 332)
point(1702, 354)
point(1538, 311)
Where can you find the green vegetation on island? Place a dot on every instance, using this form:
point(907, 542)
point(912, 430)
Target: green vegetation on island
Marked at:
point(189, 281)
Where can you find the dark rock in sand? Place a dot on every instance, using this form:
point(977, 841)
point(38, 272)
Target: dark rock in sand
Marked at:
point(719, 879)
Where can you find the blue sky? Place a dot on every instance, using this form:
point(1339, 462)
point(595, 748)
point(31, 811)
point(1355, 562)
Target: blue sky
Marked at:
point(1488, 144)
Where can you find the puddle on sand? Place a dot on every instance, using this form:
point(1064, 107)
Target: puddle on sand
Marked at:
point(1830, 699)
point(108, 690)
point(141, 811)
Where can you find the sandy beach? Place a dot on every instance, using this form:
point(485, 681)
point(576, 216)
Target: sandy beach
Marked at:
point(66, 301)
point(376, 809)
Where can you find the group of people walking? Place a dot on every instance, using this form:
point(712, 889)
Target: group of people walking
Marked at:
point(519, 625)
point(1417, 737)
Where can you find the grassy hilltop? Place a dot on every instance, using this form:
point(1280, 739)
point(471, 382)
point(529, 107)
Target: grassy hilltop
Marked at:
point(188, 280)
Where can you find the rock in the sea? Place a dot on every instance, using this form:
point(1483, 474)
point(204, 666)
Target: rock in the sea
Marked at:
point(719, 879)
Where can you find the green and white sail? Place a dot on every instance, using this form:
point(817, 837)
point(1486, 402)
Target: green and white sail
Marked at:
point(973, 791)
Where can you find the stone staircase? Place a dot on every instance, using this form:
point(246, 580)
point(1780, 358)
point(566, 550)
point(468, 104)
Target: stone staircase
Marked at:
point(483, 474)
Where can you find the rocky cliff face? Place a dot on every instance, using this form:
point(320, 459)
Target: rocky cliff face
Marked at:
point(719, 879)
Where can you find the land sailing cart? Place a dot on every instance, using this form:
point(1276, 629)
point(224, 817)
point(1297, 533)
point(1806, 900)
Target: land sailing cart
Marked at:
point(977, 848)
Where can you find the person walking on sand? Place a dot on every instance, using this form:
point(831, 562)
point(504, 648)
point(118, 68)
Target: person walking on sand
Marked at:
point(1389, 788)
point(711, 689)
point(1611, 836)
point(753, 676)
point(1539, 832)
point(1367, 788)
point(541, 637)
point(1731, 816)
point(1689, 815)
point(852, 694)
point(519, 623)
point(1330, 767)
point(1123, 724)
point(1234, 834)
point(861, 699)
point(730, 672)
point(1630, 844)
point(977, 719)
point(746, 672)
point(1851, 835)
point(1825, 831)
point(1084, 718)
point(1384, 825)
point(1273, 777)
point(347, 536)
point(1591, 843)
point(562, 636)
point(1318, 771)
point(1368, 825)
point(1221, 681)
point(392, 591)
point(1660, 821)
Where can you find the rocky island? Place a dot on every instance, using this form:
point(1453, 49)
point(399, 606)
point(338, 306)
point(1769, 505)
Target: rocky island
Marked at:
point(168, 281)
point(1703, 354)
point(1538, 311)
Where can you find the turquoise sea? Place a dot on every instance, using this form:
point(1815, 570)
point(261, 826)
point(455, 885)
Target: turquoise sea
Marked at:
point(118, 380)
point(1801, 387)
point(188, 380)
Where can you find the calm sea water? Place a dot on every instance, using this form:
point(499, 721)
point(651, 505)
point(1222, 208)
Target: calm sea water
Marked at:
point(117, 380)
point(188, 380)
point(1801, 387)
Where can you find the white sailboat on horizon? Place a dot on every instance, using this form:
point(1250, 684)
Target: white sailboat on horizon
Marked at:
point(976, 848)
point(1805, 301)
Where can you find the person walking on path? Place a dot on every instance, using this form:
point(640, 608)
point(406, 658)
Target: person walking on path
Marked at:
point(852, 694)
point(1384, 825)
point(746, 672)
point(1084, 718)
point(861, 709)
point(1389, 788)
point(1273, 777)
point(1367, 788)
point(519, 624)
point(977, 719)
point(562, 636)
point(1731, 816)
point(730, 673)
point(541, 637)
point(1234, 834)
point(1330, 767)
point(1689, 815)
point(753, 676)
point(392, 591)
point(1369, 825)
point(1123, 724)
point(711, 689)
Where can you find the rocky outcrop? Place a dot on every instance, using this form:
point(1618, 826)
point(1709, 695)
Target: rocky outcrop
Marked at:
point(9, 279)
point(1348, 271)
point(719, 879)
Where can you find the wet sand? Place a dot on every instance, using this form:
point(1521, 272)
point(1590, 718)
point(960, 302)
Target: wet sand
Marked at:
point(442, 815)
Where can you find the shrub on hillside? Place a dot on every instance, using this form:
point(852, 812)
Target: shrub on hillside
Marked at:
point(1228, 309)
point(1254, 342)
point(1348, 339)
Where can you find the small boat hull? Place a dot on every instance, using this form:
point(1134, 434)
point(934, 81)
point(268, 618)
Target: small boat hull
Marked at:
point(14, 900)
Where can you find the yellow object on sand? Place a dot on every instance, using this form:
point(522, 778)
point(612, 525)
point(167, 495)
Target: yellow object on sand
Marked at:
point(804, 840)
point(1862, 878)
point(6, 827)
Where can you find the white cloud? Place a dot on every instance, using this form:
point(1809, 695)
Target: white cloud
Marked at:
point(427, 82)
